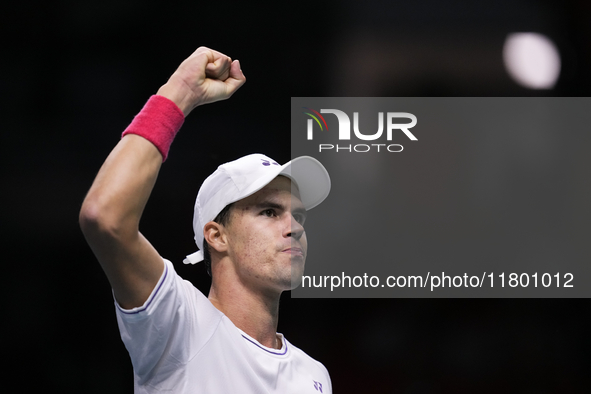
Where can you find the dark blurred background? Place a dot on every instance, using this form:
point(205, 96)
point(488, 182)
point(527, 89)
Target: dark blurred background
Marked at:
point(74, 73)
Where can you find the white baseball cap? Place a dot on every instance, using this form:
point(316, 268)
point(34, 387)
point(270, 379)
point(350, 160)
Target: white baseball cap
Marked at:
point(241, 178)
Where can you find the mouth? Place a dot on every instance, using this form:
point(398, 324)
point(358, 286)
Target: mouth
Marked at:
point(294, 251)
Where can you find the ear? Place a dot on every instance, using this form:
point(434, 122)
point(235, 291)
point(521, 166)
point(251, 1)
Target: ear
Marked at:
point(214, 234)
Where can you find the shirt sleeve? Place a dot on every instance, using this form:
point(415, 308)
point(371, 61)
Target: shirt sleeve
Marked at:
point(169, 329)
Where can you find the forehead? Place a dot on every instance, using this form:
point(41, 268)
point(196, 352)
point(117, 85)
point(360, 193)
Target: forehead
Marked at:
point(279, 189)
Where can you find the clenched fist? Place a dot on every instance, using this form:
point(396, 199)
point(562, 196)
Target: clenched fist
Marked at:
point(204, 77)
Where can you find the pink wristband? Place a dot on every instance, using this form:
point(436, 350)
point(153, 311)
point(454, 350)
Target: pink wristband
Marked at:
point(158, 122)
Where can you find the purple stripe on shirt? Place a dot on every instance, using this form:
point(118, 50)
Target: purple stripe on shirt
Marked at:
point(152, 297)
point(265, 349)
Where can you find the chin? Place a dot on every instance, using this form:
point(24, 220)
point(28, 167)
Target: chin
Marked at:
point(297, 272)
point(296, 281)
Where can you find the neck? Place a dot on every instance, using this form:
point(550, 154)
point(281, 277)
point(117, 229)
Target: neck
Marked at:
point(254, 312)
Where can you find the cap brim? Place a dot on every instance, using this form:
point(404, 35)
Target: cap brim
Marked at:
point(311, 178)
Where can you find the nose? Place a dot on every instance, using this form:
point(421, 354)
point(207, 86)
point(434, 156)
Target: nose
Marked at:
point(295, 230)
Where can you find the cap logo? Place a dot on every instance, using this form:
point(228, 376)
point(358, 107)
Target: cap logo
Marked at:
point(267, 163)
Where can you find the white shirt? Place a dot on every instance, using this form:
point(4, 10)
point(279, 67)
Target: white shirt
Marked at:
point(180, 343)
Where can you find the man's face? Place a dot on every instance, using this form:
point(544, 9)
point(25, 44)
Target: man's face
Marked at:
point(266, 237)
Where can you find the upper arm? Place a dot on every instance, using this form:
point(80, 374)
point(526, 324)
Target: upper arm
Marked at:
point(132, 265)
point(109, 219)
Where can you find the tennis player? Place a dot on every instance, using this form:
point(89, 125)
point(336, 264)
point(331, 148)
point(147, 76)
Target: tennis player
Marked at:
point(248, 221)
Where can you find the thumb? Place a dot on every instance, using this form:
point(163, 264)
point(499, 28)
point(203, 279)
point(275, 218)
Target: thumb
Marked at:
point(236, 77)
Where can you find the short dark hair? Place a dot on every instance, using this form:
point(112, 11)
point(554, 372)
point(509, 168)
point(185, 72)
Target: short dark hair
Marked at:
point(222, 218)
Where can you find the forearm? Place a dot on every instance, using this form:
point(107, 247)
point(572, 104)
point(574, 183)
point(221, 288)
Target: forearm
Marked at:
point(122, 187)
point(116, 200)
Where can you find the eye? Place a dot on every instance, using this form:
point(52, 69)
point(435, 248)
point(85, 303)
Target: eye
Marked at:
point(300, 218)
point(269, 213)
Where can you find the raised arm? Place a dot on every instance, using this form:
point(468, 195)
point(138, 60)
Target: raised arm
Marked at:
point(111, 211)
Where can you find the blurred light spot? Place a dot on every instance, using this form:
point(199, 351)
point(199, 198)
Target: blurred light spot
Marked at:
point(532, 60)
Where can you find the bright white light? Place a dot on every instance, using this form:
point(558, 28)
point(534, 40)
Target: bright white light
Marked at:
point(532, 60)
